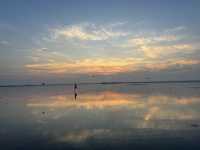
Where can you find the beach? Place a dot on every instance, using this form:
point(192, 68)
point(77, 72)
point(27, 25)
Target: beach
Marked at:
point(111, 116)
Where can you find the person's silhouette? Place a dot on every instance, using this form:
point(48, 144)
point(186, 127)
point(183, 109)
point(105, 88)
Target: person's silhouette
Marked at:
point(75, 86)
point(75, 90)
point(75, 95)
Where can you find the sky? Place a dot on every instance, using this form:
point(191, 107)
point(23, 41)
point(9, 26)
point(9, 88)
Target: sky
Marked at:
point(65, 41)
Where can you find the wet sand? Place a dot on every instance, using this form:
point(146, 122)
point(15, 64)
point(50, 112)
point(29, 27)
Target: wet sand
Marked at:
point(121, 116)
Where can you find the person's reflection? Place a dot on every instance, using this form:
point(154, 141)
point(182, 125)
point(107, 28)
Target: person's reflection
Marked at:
point(75, 91)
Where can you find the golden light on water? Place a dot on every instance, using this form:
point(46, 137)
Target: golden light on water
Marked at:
point(151, 107)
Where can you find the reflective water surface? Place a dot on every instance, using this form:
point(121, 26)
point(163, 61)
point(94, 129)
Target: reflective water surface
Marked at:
point(123, 116)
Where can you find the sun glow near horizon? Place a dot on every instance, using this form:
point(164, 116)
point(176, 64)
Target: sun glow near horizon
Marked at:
point(46, 47)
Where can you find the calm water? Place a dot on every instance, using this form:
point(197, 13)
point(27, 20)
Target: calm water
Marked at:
point(153, 116)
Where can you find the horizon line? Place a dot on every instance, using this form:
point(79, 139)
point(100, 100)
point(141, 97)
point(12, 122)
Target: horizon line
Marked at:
point(111, 82)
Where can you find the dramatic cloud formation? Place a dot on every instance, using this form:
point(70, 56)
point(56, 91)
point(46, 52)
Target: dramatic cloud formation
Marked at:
point(108, 66)
point(152, 48)
point(60, 42)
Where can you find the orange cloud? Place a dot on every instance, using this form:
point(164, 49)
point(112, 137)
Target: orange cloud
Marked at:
point(96, 66)
point(106, 66)
point(186, 101)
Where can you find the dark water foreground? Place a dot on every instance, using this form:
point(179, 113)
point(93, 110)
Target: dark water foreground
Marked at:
point(126, 116)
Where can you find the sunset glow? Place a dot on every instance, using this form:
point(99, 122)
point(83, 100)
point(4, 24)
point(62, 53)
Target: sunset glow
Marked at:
point(59, 44)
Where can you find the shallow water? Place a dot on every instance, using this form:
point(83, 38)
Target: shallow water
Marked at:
point(121, 116)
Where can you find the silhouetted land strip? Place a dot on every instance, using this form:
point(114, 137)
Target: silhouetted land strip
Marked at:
point(153, 82)
point(87, 83)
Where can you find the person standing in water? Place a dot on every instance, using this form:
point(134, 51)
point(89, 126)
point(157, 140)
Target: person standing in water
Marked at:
point(75, 90)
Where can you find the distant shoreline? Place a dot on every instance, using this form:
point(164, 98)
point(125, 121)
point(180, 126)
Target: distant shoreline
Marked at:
point(81, 83)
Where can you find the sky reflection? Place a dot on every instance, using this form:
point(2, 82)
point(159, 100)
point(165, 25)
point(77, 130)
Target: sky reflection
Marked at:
point(101, 112)
point(134, 109)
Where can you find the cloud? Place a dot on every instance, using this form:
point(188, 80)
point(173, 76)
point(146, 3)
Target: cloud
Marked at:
point(175, 29)
point(46, 55)
point(154, 51)
point(140, 41)
point(160, 44)
point(115, 36)
point(3, 42)
point(117, 24)
point(171, 64)
point(42, 49)
point(130, 53)
point(88, 31)
point(108, 66)
point(84, 66)
point(156, 46)
point(186, 101)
